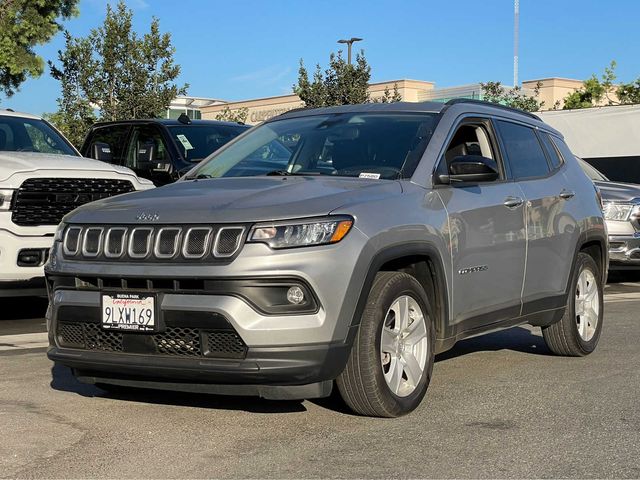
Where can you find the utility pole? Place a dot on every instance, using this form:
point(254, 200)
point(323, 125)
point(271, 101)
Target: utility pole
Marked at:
point(349, 43)
point(516, 40)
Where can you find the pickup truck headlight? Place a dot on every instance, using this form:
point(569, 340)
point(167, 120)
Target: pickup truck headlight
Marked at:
point(5, 199)
point(619, 211)
point(302, 233)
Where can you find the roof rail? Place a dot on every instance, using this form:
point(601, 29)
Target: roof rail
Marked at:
point(455, 101)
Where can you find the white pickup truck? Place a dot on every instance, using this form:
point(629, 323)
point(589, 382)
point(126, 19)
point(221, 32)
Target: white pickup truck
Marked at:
point(42, 178)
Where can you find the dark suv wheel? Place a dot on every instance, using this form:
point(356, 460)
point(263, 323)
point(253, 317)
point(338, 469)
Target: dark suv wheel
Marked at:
point(390, 365)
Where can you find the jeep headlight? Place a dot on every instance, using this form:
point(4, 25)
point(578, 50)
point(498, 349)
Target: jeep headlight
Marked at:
point(5, 199)
point(619, 211)
point(302, 233)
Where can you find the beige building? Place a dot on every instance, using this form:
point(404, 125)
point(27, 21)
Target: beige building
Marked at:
point(261, 109)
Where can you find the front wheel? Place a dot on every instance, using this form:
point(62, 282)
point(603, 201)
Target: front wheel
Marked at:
point(390, 364)
point(578, 332)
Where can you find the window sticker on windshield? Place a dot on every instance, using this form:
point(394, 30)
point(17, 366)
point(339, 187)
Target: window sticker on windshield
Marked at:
point(185, 142)
point(374, 176)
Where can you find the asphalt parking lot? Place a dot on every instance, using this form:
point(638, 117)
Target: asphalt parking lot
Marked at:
point(499, 405)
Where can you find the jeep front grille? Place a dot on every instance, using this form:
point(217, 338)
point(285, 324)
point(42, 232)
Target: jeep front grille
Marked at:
point(44, 201)
point(189, 243)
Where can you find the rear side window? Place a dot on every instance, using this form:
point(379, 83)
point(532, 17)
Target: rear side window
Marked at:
point(108, 144)
point(552, 151)
point(523, 150)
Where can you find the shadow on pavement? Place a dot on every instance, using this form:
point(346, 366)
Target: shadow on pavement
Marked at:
point(518, 339)
point(63, 380)
point(22, 308)
point(616, 277)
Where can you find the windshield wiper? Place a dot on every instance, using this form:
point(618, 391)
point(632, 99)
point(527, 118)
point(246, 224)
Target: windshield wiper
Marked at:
point(285, 173)
point(200, 176)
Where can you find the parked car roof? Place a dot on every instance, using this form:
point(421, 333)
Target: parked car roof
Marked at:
point(170, 121)
point(11, 113)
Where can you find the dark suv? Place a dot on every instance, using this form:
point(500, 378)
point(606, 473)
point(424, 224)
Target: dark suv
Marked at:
point(159, 149)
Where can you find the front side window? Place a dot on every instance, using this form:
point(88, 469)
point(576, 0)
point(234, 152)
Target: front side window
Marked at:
point(31, 135)
point(523, 150)
point(199, 141)
point(371, 145)
point(470, 138)
point(108, 144)
point(146, 148)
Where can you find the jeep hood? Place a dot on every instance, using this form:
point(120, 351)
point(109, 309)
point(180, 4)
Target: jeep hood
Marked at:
point(618, 192)
point(237, 200)
point(19, 162)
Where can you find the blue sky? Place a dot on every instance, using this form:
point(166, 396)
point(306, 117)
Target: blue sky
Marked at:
point(235, 50)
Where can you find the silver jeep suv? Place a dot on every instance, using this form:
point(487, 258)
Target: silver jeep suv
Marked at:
point(339, 246)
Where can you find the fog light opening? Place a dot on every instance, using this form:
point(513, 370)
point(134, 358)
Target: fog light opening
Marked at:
point(295, 295)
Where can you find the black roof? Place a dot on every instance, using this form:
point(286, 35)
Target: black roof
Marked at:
point(170, 122)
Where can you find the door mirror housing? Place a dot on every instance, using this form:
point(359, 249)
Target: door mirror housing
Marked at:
point(471, 168)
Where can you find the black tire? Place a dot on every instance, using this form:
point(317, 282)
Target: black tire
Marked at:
point(563, 337)
point(362, 384)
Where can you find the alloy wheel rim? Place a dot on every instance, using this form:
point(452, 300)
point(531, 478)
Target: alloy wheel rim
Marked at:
point(404, 346)
point(587, 305)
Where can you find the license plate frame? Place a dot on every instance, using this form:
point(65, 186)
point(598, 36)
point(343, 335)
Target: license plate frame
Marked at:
point(142, 315)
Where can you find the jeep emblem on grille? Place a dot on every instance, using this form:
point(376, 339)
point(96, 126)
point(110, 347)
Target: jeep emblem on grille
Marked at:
point(148, 217)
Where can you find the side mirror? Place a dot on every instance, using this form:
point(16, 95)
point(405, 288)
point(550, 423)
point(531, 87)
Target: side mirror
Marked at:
point(471, 168)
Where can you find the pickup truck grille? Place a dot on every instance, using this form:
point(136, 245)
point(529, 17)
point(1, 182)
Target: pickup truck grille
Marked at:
point(44, 201)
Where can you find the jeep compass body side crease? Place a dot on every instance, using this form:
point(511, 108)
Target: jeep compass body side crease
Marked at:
point(384, 235)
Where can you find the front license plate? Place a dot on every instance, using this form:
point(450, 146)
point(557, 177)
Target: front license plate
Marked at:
point(134, 312)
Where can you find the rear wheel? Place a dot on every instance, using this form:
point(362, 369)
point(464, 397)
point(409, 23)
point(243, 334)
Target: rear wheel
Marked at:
point(578, 332)
point(390, 364)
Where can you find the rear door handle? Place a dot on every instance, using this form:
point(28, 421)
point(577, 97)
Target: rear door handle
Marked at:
point(513, 202)
point(567, 194)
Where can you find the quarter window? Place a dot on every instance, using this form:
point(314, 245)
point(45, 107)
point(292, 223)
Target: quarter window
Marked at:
point(552, 151)
point(523, 150)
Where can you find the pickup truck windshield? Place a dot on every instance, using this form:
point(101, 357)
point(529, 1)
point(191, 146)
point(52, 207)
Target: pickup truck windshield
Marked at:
point(369, 145)
point(31, 135)
point(196, 142)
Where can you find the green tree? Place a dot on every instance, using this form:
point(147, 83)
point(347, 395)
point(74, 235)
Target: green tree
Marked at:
point(227, 115)
point(25, 24)
point(594, 91)
point(123, 75)
point(629, 93)
point(340, 84)
point(512, 97)
point(75, 114)
point(388, 97)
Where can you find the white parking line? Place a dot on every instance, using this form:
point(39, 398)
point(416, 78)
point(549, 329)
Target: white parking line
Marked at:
point(23, 341)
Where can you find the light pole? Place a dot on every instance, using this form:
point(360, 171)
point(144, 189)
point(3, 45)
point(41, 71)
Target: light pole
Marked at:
point(349, 42)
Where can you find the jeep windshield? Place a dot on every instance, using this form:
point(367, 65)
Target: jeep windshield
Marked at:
point(368, 145)
point(196, 142)
point(19, 134)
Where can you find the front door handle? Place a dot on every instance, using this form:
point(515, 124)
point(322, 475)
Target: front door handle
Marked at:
point(567, 194)
point(513, 202)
